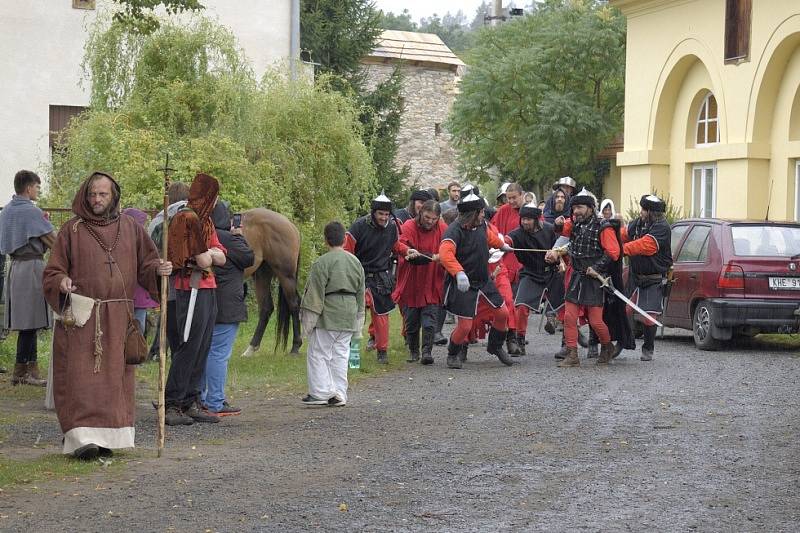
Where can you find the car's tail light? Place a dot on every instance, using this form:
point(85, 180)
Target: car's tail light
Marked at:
point(731, 277)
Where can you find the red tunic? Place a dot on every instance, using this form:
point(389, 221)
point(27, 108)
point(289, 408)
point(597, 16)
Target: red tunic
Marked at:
point(420, 285)
point(506, 220)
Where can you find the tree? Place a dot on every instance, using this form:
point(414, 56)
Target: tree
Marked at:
point(340, 33)
point(401, 22)
point(544, 94)
point(187, 90)
point(139, 16)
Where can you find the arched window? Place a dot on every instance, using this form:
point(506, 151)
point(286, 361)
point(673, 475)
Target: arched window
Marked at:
point(707, 122)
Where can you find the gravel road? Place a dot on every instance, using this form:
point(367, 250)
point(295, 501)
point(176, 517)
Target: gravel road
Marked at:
point(698, 441)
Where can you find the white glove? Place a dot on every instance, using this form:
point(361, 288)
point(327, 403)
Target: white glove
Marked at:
point(308, 321)
point(359, 326)
point(462, 281)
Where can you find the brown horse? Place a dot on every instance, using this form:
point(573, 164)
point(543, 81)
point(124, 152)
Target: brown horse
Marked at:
point(276, 244)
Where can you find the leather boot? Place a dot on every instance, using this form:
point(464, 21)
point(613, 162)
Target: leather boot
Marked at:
point(606, 353)
point(511, 343)
point(462, 353)
point(453, 360)
point(20, 373)
point(439, 339)
point(521, 343)
point(412, 341)
point(33, 377)
point(427, 346)
point(592, 352)
point(571, 359)
point(383, 357)
point(494, 346)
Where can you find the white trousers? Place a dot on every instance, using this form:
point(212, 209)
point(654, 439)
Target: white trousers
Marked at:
point(327, 359)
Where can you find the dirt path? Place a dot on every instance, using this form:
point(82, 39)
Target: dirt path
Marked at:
point(691, 441)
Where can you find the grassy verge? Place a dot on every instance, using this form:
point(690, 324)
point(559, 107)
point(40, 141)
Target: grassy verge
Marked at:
point(267, 373)
point(780, 342)
point(50, 467)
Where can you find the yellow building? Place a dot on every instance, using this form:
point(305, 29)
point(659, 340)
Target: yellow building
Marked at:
point(712, 106)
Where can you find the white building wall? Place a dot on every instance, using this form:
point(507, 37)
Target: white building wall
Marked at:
point(41, 49)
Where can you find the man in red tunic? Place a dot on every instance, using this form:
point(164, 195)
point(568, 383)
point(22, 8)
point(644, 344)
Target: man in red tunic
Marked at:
point(506, 220)
point(420, 278)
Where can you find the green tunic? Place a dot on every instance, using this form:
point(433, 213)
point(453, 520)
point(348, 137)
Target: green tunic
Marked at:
point(335, 291)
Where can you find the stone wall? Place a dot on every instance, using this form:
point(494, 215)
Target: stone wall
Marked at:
point(424, 143)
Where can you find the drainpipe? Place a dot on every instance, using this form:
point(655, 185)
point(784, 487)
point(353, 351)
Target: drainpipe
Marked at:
point(294, 38)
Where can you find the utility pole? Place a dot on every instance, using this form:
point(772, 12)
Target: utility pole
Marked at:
point(497, 12)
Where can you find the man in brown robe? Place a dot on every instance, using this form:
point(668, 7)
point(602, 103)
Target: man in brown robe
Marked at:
point(102, 255)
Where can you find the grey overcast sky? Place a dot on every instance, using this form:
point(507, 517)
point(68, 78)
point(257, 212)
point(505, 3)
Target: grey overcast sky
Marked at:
point(426, 8)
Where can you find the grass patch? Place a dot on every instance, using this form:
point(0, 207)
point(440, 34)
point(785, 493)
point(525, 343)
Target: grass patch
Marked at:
point(276, 372)
point(48, 468)
point(780, 342)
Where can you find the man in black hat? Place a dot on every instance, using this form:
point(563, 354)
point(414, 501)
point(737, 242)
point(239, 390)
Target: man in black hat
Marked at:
point(536, 276)
point(414, 205)
point(594, 248)
point(649, 246)
point(469, 291)
point(372, 239)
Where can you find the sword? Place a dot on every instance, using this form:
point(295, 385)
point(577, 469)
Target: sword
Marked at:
point(194, 281)
point(609, 287)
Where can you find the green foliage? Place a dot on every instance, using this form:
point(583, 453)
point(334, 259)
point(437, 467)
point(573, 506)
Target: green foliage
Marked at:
point(339, 34)
point(673, 212)
point(138, 15)
point(289, 146)
point(381, 111)
point(543, 95)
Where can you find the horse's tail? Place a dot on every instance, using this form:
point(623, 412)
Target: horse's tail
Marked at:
point(287, 305)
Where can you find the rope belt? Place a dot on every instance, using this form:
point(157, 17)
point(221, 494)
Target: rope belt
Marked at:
point(98, 331)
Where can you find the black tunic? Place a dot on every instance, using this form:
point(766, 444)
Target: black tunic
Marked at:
point(647, 275)
point(373, 248)
point(536, 274)
point(472, 252)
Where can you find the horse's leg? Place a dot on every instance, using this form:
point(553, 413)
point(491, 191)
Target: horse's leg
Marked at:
point(263, 282)
point(288, 287)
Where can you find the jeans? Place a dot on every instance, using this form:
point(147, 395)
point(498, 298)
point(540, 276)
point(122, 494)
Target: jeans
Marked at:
point(213, 381)
point(140, 314)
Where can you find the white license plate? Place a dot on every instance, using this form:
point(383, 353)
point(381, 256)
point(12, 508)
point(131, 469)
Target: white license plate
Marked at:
point(785, 284)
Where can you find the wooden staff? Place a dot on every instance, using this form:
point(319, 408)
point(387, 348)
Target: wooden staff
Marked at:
point(162, 340)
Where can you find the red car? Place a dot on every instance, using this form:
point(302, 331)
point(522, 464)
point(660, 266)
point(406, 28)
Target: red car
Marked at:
point(734, 278)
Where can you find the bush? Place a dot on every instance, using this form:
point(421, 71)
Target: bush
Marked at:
point(293, 147)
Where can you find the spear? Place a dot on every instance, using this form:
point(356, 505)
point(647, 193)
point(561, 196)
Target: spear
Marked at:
point(162, 341)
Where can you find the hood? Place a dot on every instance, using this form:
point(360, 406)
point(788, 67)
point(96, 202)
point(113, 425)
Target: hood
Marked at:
point(202, 194)
point(604, 203)
point(221, 216)
point(81, 207)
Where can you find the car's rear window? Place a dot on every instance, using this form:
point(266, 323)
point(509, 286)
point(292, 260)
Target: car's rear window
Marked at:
point(766, 240)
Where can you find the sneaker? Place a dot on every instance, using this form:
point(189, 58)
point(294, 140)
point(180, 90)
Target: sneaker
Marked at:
point(174, 417)
point(336, 402)
point(86, 452)
point(196, 414)
point(227, 410)
point(311, 400)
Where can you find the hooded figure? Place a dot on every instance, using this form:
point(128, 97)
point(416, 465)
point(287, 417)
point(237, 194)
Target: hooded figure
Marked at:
point(100, 255)
point(193, 248)
point(608, 203)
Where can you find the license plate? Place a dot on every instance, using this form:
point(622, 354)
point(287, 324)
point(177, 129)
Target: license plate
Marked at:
point(784, 284)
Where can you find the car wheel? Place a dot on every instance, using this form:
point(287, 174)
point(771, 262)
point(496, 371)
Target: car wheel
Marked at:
point(701, 327)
